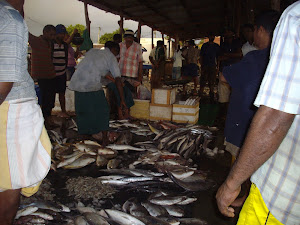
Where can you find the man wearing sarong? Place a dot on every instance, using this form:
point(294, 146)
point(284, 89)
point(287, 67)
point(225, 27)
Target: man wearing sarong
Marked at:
point(92, 109)
point(24, 144)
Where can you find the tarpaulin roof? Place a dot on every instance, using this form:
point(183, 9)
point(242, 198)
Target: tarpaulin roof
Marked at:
point(185, 18)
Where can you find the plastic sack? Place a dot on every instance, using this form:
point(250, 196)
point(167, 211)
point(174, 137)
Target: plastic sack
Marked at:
point(143, 93)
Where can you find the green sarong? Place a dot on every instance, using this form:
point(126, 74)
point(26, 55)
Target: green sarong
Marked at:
point(127, 94)
point(92, 112)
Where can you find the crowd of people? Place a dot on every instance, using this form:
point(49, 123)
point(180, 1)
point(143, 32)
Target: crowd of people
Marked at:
point(259, 80)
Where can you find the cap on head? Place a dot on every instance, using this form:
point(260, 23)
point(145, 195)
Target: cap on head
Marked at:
point(128, 33)
point(60, 29)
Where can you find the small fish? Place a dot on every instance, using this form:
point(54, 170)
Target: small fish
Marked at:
point(167, 200)
point(174, 210)
point(124, 147)
point(83, 209)
point(42, 215)
point(107, 152)
point(26, 211)
point(187, 201)
point(123, 218)
point(113, 163)
point(70, 160)
point(153, 129)
point(86, 148)
point(80, 162)
point(80, 221)
point(95, 219)
point(154, 210)
point(101, 161)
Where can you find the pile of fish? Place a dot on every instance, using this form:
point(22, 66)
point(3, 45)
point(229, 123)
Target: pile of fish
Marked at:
point(187, 141)
point(39, 212)
point(81, 154)
point(140, 128)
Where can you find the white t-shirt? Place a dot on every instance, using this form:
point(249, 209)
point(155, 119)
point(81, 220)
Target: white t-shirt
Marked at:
point(177, 59)
point(248, 48)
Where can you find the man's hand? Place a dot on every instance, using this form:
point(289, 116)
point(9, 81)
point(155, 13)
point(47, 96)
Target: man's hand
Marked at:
point(225, 196)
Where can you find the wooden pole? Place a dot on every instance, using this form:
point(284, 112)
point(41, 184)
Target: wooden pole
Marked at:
point(87, 19)
point(152, 38)
point(169, 55)
point(139, 31)
point(121, 22)
point(238, 9)
point(162, 34)
point(275, 5)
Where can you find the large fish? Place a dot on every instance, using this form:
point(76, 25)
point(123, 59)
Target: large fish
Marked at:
point(80, 162)
point(95, 219)
point(155, 210)
point(70, 160)
point(167, 200)
point(80, 221)
point(195, 182)
point(124, 147)
point(123, 218)
point(26, 211)
point(174, 210)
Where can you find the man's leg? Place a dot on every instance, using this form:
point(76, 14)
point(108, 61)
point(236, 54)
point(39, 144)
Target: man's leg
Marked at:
point(61, 89)
point(9, 203)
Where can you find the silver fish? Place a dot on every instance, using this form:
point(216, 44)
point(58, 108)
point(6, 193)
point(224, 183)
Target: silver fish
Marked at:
point(167, 200)
point(107, 152)
point(42, 215)
point(70, 160)
point(26, 211)
point(124, 147)
point(174, 210)
point(187, 201)
point(195, 182)
point(47, 205)
point(95, 219)
point(154, 210)
point(86, 148)
point(83, 209)
point(81, 162)
point(80, 221)
point(123, 218)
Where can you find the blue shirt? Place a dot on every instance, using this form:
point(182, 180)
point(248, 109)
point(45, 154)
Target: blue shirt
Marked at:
point(209, 53)
point(244, 78)
point(13, 53)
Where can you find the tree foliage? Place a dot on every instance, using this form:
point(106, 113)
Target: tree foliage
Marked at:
point(108, 36)
point(79, 27)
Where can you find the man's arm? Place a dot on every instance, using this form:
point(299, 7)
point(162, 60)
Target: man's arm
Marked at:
point(140, 72)
point(5, 88)
point(69, 40)
point(268, 129)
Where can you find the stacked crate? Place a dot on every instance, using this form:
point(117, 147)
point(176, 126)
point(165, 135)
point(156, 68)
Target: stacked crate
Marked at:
point(140, 110)
point(161, 103)
point(185, 113)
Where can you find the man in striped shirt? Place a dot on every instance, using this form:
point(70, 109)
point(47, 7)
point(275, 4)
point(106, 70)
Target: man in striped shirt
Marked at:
point(60, 61)
point(42, 69)
point(271, 151)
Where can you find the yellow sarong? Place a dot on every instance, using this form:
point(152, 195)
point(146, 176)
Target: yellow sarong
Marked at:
point(25, 147)
point(255, 211)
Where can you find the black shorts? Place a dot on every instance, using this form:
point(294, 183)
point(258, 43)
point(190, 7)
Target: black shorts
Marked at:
point(60, 83)
point(190, 70)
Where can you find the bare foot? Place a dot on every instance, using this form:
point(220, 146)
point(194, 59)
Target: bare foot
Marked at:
point(63, 114)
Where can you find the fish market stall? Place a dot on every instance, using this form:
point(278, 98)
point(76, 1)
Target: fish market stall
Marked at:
point(151, 173)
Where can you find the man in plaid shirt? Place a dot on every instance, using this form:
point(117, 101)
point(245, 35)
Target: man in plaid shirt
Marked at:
point(131, 59)
point(271, 151)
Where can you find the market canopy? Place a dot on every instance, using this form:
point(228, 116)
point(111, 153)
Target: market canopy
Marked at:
point(186, 18)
